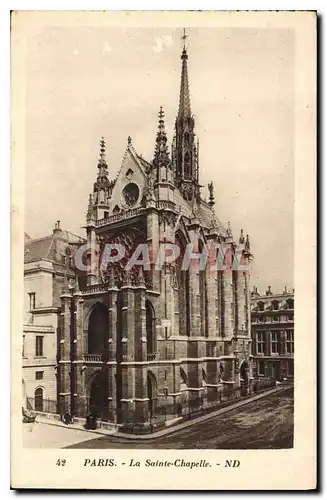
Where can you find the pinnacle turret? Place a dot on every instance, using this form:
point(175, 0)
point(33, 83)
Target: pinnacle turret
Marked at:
point(161, 165)
point(102, 188)
point(90, 209)
point(211, 195)
point(247, 243)
point(102, 163)
point(229, 232)
point(161, 154)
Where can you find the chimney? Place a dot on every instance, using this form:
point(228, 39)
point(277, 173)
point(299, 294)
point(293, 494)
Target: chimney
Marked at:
point(269, 292)
point(57, 227)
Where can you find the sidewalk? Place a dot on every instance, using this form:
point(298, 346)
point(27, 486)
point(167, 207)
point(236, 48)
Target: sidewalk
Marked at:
point(168, 430)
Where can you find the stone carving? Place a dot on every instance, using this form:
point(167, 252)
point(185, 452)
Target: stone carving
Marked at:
point(149, 186)
point(115, 273)
point(168, 218)
point(187, 192)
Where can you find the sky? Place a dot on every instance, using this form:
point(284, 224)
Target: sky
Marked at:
point(85, 82)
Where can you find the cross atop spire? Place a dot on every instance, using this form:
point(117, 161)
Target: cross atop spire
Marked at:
point(184, 38)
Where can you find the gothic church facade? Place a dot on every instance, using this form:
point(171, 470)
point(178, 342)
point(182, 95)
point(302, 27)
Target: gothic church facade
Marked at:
point(132, 341)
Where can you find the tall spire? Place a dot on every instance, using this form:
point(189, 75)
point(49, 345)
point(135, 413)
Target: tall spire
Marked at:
point(184, 109)
point(184, 150)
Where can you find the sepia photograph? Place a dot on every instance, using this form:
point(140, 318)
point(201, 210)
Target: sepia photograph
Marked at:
point(159, 284)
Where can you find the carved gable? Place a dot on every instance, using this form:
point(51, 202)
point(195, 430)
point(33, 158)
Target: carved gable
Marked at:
point(130, 183)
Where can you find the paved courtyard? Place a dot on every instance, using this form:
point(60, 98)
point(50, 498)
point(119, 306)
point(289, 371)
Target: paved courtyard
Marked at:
point(39, 435)
point(265, 423)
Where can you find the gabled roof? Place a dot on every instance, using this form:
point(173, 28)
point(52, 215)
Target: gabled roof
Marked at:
point(39, 248)
point(136, 158)
point(45, 248)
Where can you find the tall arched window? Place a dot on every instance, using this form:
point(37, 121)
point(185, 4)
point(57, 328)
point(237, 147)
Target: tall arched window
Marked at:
point(187, 166)
point(203, 290)
point(221, 303)
point(38, 399)
point(98, 330)
point(183, 289)
point(150, 330)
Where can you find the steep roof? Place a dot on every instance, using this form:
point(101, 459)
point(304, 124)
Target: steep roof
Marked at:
point(45, 248)
point(144, 163)
point(39, 248)
point(207, 216)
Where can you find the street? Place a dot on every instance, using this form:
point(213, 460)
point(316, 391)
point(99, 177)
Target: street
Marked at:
point(263, 424)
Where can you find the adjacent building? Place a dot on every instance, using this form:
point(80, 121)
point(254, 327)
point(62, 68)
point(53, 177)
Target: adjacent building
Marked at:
point(272, 321)
point(48, 267)
point(135, 340)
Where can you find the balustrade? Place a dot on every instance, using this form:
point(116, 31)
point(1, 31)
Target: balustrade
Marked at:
point(126, 214)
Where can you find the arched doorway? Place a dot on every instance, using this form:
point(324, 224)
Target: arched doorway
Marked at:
point(244, 372)
point(150, 330)
point(152, 392)
point(99, 393)
point(98, 329)
point(38, 399)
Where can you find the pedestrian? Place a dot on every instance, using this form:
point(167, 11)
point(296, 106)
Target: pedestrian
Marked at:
point(67, 418)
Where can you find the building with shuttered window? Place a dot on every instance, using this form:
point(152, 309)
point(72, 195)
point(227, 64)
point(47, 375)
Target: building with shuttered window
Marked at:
point(48, 267)
point(272, 324)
